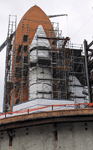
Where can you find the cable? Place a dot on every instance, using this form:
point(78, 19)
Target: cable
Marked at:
point(82, 26)
point(67, 27)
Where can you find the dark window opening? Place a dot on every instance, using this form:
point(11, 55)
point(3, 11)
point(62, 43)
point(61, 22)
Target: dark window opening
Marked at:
point(25, 59)
point(25, 48)
point(17, 101)
point(25, 38)
point(19, 48)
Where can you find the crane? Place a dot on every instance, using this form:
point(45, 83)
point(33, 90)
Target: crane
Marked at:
point(5, 42)
point(52, 16)
point(3, 45)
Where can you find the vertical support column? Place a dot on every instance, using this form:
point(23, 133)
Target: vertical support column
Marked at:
point(86, 65)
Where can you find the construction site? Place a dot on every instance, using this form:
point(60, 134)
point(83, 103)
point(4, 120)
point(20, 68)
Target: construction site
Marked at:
point(48, 90)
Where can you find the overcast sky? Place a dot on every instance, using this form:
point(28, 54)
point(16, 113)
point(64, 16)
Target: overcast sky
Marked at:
point(78, 25)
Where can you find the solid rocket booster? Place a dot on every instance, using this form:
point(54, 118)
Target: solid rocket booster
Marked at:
point(40, 84)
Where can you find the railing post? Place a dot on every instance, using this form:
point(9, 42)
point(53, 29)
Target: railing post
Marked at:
point(52, 107)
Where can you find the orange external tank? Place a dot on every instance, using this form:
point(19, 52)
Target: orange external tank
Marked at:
point(24, 35)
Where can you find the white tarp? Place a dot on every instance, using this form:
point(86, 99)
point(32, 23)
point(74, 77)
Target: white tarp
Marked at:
point(39, 103)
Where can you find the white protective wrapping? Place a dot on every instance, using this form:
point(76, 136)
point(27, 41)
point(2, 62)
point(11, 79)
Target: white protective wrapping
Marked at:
point(40, 84)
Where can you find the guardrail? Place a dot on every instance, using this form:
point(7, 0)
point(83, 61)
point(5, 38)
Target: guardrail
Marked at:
point(85, 105)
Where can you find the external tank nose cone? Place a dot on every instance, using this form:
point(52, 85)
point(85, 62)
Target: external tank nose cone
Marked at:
point(34, 17)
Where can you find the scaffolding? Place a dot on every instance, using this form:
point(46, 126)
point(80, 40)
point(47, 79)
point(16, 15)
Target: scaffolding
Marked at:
point(8, 68)
point(54, 65)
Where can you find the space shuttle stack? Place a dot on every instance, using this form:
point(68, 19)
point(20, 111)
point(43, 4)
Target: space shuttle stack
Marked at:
point(40, 76)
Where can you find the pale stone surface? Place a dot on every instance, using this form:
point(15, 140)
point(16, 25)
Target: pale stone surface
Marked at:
point(70, 136)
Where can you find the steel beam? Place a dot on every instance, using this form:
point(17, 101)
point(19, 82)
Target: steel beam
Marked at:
point(86, 65)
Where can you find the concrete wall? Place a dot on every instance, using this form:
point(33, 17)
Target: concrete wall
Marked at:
point(60, 136)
